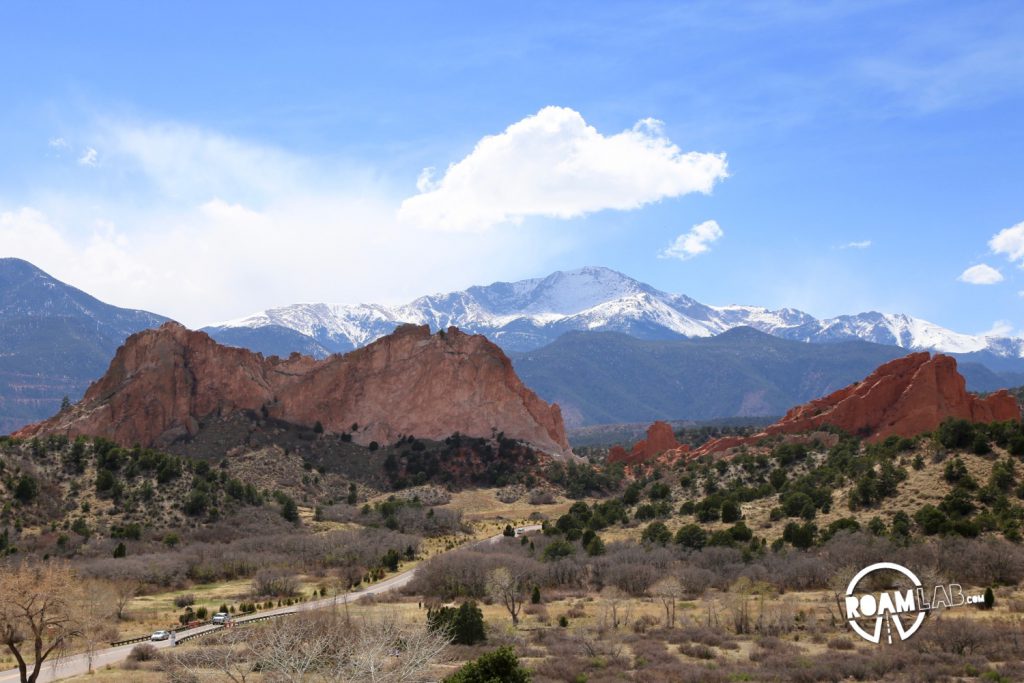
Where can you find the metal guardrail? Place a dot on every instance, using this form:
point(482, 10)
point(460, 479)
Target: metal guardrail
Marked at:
point(139, 639)
point(129, 641)
point(183, 639)
point(243, 620)
point(263, 617)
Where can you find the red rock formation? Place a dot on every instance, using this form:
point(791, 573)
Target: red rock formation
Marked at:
point(661, 440)
point(618, 454)
point(903, 397)
point(163, 381)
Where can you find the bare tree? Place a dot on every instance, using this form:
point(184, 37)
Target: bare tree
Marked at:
point(613, 598)
point(319, 645)
point(228, 652)
point(96, 609)
point(274, 583)
point(38, 613)
point(125, 591)
point(385, 650)
point(669, 590)
point(294, 647)
point(508, 586)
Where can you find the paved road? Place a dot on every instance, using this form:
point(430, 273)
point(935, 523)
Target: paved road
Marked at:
point(78, 665)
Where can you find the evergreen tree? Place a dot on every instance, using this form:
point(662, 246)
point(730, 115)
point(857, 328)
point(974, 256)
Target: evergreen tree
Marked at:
point(289, 510)
point(500, 666)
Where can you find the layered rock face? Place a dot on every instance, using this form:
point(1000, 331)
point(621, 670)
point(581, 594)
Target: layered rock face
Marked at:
point(903, 397)
point(163, 381)
point(660, 441)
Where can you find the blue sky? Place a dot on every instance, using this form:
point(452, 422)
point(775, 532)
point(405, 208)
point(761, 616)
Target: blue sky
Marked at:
point(207, 161)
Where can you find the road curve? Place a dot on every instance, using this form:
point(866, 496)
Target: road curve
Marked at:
point(77, 665)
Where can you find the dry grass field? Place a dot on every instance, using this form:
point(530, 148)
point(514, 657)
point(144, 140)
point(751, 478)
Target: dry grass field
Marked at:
point(796, 633)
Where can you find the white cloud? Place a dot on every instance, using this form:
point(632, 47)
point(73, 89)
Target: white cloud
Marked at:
point(553, 164)
point(213, 228)
point(193, 164)
point(981, 274)
point(863, 244)
point(88, 158)
point(58, 143)
point(1000, 328)
point(1009, 241)
point(425, 181)
point(697, 241)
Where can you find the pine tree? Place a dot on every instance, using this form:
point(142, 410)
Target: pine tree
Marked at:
point(290, 511)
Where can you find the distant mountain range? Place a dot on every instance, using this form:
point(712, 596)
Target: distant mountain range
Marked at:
point(526, 315)
point(609, 377)
point(607, 347)
point(54, 341)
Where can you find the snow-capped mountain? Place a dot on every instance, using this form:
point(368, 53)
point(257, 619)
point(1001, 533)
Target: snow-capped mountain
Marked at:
point(524, 315)
point(897, 329)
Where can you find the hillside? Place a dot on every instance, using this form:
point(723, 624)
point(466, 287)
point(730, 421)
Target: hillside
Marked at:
point(55, 339)
point(606, 377)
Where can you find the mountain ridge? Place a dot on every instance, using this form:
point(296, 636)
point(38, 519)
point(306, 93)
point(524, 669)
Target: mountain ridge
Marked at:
point(528, 314)
point(611, 377)
point(55, 339)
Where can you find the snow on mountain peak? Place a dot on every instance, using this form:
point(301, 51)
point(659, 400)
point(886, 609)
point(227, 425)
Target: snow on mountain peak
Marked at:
point(530, 313)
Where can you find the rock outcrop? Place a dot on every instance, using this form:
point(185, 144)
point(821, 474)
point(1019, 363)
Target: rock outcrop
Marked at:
point(903, 397)
point(162, 382)
point(660, 442)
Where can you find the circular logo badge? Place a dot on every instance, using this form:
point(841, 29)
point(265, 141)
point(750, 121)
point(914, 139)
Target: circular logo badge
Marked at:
point(887, 609)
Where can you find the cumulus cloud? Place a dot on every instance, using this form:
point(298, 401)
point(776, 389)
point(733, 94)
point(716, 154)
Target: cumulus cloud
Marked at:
point(863, 244)
point(981, 274)
point(88, 158)
point(697, 241)
point(1010, 242)
point(217, 228)
point(58, 143)
point(553, 164)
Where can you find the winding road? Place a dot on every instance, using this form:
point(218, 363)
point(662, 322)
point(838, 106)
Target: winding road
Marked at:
point(77, 665)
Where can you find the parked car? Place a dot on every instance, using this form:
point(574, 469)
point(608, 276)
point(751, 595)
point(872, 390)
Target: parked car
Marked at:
point(160, 635)
point(221, 618)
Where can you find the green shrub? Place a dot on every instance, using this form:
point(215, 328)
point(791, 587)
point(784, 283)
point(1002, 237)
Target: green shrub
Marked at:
point(558, 549)
point(26, 489)
point(465, 624)
point(595, 547)
point(800, 535)
point(500, 666)
point(931, 520)
point(691, 537)
point(731, 511)
point(656, 532)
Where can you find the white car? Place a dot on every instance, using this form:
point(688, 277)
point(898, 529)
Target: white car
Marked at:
point(160, 635)
point(220, 618)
